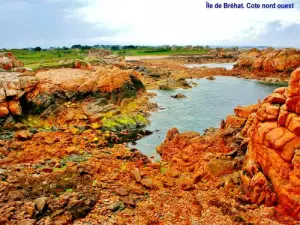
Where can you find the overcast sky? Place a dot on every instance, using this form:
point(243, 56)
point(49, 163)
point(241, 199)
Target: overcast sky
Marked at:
point(46, 23)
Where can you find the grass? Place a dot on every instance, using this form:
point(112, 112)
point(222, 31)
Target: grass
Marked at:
point(279, 84)
point(54, 58)
point(49, 58)
point(159, 51)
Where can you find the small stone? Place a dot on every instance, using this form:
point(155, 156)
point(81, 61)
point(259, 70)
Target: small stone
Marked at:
point(187, 186)
point(197, 177)
point(116, 206)
point(40, 203)
point(74, 130)
point(129, 201)
point(23, 135)
point(121, 191)
point(47, 170)
point(71, 150)
point(2, 172)
point(147, 182)
point(135, 173)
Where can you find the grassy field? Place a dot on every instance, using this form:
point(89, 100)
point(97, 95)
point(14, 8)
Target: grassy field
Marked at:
point(34, 60)
point(56, 58)
point(153, 51)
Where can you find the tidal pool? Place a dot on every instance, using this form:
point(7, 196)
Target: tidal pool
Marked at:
point(204, 106)
point(227, 66)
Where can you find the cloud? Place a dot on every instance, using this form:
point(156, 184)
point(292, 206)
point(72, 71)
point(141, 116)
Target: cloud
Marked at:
point(155, 22)
point(279, 34)
point(29, 24)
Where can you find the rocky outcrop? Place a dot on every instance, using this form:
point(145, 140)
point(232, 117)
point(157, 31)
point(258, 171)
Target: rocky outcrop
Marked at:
point(96, 53)
point(81, 64)
point(8, 61)
point(70, 82)
point(270, 60)
point(13, 86)
point(272, 164)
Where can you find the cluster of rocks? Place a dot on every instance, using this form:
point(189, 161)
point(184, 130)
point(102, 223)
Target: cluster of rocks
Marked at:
point(98, 53)
point(270, 60)
point(13, 87)
point(220, 54)
point(8, 62)
point(272, 164)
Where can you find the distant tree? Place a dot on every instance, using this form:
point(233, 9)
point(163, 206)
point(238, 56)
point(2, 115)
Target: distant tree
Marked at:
point(86, 47)
point(76, 46)
point(65, 48)
point(37, 49)
point(115, 47)
point(129, 47)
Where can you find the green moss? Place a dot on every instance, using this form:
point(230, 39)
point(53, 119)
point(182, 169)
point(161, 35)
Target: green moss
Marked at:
point(124, 122)
point(141, 120)
point(110, 124)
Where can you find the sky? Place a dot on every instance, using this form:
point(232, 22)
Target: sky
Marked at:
point(57, 23)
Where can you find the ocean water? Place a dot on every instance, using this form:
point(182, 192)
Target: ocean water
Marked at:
point(204, 106)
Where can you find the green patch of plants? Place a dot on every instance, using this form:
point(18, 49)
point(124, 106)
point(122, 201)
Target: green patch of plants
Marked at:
point(124, 122)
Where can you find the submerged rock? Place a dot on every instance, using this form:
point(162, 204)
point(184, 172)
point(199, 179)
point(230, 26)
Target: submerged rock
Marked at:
point(177, 96)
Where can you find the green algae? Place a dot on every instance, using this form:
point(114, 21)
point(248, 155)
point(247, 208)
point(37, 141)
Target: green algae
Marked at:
point(124, 122)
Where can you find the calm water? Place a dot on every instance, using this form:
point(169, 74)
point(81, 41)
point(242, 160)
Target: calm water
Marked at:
point(205, 106)
point(227, 66)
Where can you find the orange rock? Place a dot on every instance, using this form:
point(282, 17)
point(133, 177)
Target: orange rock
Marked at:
point(234, 122)
point(3, 109)
point(270, 60)
point(289, 149)
point(280, 90)
point(294, 88)
point(23, 135)
point(283, 114)
point(262, 130)
point(15, 108)
point(276, 98)
point(278, 137)
point(293, 104)
point(245, 111)
point(268, 112)
point(294, 124)
point(81, 64)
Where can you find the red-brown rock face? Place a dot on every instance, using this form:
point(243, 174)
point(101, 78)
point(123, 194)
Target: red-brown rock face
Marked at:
point(272, 164)
point(12, 87)
point(270, 60)
point(8, 61)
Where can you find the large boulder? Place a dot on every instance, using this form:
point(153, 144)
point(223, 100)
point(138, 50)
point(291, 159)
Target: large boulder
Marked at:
point(81, 64)
point(271, 167)
point(8, 61)
point(113, 83)
point(270, 60)
point(13, 86)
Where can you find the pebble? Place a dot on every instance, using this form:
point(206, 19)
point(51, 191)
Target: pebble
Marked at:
point(116, 206)
point(121, 191)
point(135, 173)
point(40, 203)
